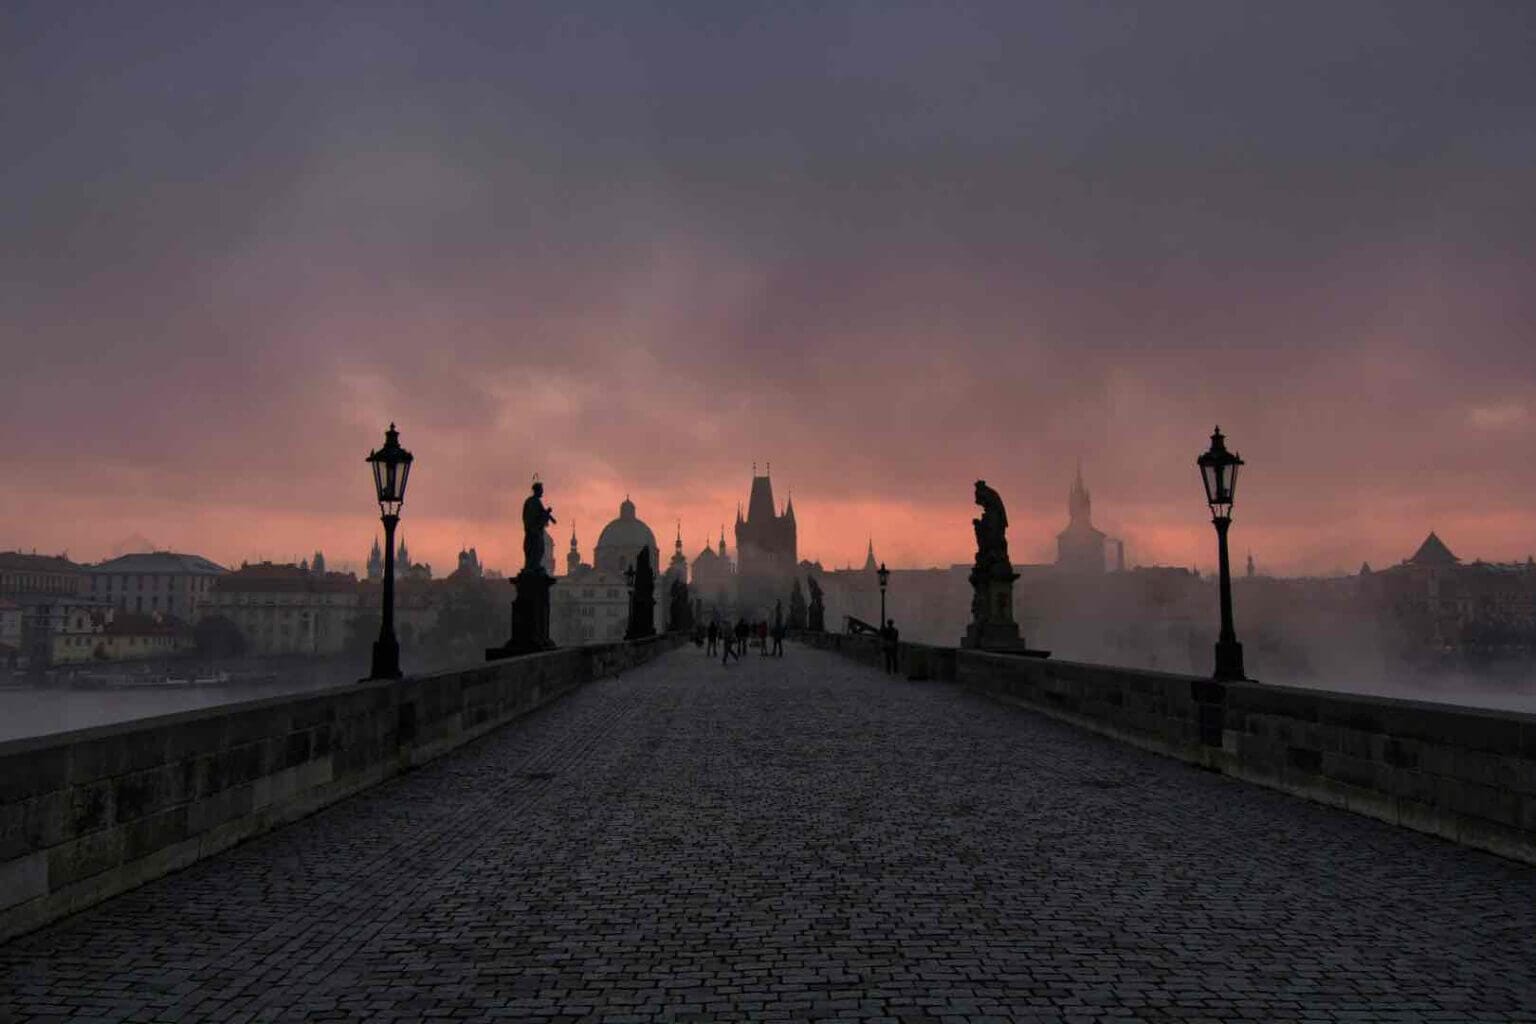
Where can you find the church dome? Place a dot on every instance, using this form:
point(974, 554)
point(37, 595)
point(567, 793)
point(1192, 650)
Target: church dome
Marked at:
point(621, 541)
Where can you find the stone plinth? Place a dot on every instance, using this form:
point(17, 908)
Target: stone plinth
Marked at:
point(992, 625)
point(530, 617)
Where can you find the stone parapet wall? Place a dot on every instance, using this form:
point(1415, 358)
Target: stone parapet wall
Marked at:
point(1465, 774)
point(89, 814)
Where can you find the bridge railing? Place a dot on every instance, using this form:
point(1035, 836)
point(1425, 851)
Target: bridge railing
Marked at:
point(1464, 774)
point(88, 814)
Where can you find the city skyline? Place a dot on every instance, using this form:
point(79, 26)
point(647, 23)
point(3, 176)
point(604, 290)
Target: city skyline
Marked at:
point(1035, 531)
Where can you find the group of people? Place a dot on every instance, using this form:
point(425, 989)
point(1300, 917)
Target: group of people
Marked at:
point(733, 641)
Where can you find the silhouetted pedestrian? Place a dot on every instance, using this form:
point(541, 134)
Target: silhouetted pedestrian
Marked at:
point(743, 631)
point(713, 635)
point(890, 638)
point(729, 649)
point(778, 640)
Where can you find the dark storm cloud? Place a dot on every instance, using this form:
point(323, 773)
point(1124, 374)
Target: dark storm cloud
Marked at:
point(888, 246)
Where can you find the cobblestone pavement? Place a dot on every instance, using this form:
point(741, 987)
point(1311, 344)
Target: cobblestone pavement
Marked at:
point(804, 840)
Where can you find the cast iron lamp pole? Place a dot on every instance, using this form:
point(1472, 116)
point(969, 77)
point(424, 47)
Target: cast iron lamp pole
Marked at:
point(1218, 471)
point(884, 575)
point(391, 466)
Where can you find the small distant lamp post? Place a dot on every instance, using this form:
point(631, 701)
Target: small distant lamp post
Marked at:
point(884, 575)
point(1218, 471)
point(391, 466)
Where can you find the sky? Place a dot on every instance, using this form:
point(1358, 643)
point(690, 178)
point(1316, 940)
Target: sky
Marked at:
point(889, 248)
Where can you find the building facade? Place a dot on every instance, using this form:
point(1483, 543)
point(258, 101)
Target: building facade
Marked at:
point(159, 582)
point(286, 609)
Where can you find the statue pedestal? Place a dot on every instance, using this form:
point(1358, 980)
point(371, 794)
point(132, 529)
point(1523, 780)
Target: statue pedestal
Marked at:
point(530, 617)
point(992, 625)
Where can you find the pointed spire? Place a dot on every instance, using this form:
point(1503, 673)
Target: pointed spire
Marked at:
point(677, 545)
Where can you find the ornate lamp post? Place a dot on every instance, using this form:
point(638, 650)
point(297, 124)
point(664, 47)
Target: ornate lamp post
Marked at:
point(1218, 471)
point(884, 575)
point(391, 466)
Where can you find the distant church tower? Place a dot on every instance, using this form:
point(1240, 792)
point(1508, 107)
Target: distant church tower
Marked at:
point(573, 556)
point(765, 548)
point(375, 563)
point(678, 568)
point(1080, 547)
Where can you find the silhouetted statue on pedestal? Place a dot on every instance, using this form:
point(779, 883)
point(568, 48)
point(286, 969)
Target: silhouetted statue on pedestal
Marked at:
point(992, 625)
point(530, 606)
point(535, 518)
point(642, 605)
point(679, 608)
point(818, 610)
point(797, 611)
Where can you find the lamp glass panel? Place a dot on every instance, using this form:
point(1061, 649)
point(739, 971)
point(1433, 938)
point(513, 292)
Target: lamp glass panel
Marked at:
point(378, 478)
point(405, 472)
point(1231, 488)
point(1208, 473)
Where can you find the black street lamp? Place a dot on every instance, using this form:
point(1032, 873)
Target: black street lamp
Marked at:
point(884, 576)
point(1218, 471)
point(391, 466)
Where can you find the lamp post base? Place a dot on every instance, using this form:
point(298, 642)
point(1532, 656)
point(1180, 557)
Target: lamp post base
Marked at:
point(386, 659)
point(1229, 662)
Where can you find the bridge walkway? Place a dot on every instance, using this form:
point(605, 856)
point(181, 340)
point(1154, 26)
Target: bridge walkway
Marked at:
point(803, 839)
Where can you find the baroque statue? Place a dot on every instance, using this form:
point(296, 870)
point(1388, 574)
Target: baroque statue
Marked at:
point(535, 518)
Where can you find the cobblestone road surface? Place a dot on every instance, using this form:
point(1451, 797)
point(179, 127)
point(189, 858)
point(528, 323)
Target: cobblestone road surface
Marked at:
point(804, 840)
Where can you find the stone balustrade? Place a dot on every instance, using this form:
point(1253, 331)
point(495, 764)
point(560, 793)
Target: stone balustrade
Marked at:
point(86, 815)
point(1465, 774)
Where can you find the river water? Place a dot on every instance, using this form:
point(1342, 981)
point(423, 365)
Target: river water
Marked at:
point(31, 707)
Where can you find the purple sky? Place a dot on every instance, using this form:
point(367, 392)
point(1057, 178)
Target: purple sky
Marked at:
point(890, 248)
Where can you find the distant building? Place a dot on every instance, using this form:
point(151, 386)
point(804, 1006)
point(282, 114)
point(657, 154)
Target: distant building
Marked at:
point(107, 634)
point(47, 589)
point(375, 562)
point(155, 582)
point(405, 569)
point(1080, 547)
point(40, 575)
point(10, 633)
point(284, 609)
point(589, 605)
point(621, 541)
point(713, 580)
point(677, 571)
point(469, 566)
point(765, 550)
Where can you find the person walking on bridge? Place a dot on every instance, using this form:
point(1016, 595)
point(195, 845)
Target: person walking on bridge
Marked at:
point(778, 640)
point(728, 648)
point(713, 636)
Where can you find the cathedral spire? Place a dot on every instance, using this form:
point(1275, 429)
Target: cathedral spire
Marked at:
point(1079, 503)
point(869, 557)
